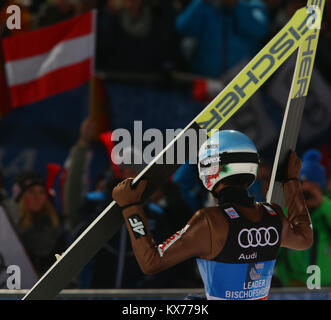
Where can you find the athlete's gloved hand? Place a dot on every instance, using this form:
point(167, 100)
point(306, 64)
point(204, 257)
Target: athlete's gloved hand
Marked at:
point(294, 166)
point(124, 195)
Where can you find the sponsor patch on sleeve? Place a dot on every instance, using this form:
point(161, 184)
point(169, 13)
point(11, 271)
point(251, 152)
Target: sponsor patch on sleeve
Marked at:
point(169, 242)
point(137, 226)
point(231, 213)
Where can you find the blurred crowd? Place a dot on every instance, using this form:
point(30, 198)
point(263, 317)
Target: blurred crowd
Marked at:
point(202, 37)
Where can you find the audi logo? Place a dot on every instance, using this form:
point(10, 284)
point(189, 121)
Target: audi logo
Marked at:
point(258, 237)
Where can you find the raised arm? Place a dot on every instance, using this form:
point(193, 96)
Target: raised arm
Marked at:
point(77, 165)
point(192, 241)
point(297, 228)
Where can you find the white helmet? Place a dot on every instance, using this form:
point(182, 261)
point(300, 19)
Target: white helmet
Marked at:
point(227, 153)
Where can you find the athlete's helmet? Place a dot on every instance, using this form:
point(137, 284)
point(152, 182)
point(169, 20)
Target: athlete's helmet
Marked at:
point(226, 153)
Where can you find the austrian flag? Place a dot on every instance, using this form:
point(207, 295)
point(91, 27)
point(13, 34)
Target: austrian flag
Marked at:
point(50, 60)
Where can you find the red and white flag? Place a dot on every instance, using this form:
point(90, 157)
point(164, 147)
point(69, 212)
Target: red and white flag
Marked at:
point(50, 60)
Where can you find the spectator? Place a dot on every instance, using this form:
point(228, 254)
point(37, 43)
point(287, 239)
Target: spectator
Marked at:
point(136, 36)
point(76, 182)
point(292, 265)
point(56, 11)
point(226, 32)
point(38, 225)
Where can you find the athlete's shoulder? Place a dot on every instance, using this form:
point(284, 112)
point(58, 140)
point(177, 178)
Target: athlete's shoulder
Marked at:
point(213, 215)
point(201, 216)
point(210, 212)
point(218, 228)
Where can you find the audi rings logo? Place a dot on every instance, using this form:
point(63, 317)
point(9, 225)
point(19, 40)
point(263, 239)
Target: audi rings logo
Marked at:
point(258, 237)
